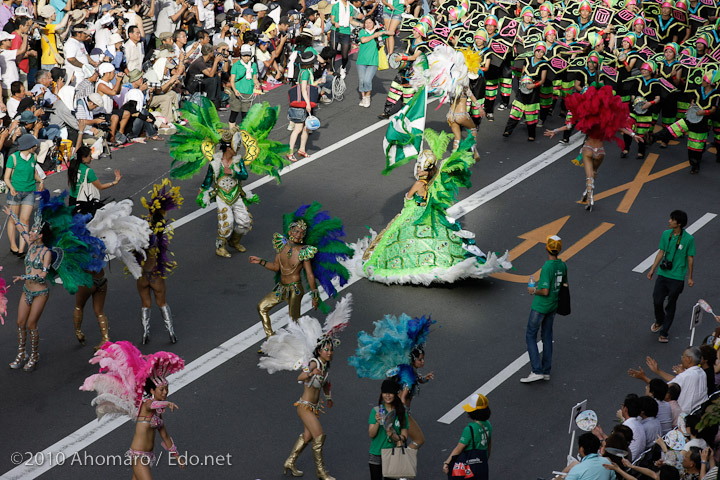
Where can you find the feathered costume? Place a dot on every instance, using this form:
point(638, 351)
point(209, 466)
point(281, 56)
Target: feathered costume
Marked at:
point(122, 233)
point(193, 146)
point(422, 245)
point(323, 246)
point(120, 386)
point(75, 252)
point(293, 348)
point(389, 350)
point(156, 262)
point(3, 299)
point(444, 73)
point(599, 113)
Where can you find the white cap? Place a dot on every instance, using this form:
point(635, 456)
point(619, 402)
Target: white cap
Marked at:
point(114, 38)
point(22, 12)
point(259, 7)
point(105, 19)
point(96, 99)
point(5, 36)
point(88, 70)
point(246, 50)
point(105, 67)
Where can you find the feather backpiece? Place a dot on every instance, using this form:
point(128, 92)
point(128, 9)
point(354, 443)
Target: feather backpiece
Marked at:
point(122, 232)
point(270, 157)
point(292, 347)
point(75, 252)
point(446, 76)
point(164, 198)
point(3, 299)
point(387, 347)
point(327, 235)
point(599, 113)
point(193, 145)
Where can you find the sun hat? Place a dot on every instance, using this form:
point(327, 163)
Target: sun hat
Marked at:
point(28, 117)
point(88, 70)
point(46, 11)
point(114, 38)
point(477, 402)
point(96, 99)
point(245, 50)
point(26, 142)
point(135, 75)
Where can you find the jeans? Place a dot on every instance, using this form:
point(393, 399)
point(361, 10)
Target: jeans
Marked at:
point(670, 288)
point(139, 125)
point(538, 321)
point(365, 75)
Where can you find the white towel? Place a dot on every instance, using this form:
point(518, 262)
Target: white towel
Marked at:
point(248, 69)
point(344, 14)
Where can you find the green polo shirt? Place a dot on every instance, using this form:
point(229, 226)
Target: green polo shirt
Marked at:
point(244, 85)
point(552, 275)
point(481, 433)
point(368, 51)
point(91, 177)
point(23, 175)
point(335, 12)
point(381, 440)
point(676, 253)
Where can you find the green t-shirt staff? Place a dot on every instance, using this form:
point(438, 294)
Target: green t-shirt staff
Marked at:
point(335, 15)
point(239, 78)
point(78, 168)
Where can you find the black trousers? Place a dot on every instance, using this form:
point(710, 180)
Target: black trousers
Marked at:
point(376, 472)
point(666, 288)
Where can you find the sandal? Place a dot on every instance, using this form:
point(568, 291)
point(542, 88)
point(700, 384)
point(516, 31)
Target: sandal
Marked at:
point(291, 157)
point(662, 339)
point(655, 327)
point(302, 154)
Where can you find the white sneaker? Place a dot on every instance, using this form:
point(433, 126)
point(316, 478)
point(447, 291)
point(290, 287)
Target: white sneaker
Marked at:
point(342, 73)
point(533, 377)
point(362, 102)
point(367, 102)
point(291, 126)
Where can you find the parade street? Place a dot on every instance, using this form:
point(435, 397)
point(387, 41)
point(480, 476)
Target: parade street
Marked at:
point(235, 421)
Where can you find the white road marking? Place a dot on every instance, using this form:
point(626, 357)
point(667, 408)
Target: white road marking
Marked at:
point(697, 225)
point(95, 430)
point(489, 386)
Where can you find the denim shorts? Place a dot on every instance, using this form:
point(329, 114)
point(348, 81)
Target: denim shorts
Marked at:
point(297, 115)
point(22, 198)
point(392, 14)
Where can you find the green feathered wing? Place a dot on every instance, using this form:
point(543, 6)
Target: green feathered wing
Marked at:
point(193, 145)
point(258, 122)
point(453, 174)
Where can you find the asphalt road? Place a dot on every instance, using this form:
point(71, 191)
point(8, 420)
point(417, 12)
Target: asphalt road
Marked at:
point(240, 414)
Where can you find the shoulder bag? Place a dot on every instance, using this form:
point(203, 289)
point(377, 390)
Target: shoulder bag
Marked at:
point(88, 198)
point(58, 58)
point(563, 307)
point(470, 463)
point(296, 99)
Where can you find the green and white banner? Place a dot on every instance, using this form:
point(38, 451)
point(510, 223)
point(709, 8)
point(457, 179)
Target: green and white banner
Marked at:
point(403, 139)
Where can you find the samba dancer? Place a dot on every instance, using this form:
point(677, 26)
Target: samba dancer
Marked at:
point(309, 346)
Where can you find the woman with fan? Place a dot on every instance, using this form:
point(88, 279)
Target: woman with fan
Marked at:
point(388, 415)
point(308, 345)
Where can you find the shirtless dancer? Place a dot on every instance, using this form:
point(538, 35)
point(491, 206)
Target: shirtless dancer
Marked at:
point(292, 256)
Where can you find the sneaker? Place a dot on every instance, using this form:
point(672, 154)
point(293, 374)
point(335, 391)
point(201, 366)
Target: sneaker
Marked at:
point(546, 377)
point(540, 124)
point(502, 106)
point(367, 102)
point(325, 100)
point(291, 126)
point(342, 73)
point(533, 377)
point(490, 117)
point(362, 102)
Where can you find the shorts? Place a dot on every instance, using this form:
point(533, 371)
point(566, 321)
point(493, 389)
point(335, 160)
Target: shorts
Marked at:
point(341, 38)
point(297, 115)
point(241, 103)
point(22, 198)
point(392, 15)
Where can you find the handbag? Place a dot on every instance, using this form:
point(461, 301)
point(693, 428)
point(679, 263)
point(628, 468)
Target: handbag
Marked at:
point(382, 59)
point(470, 463)
point(563, 307)
point(399, 462)
point(296, 99)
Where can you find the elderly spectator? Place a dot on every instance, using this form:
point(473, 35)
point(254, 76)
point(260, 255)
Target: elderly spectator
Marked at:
point(76, 54)
point(204, 71)
point(691, 379)
point(649, 421)
point(134, 49)
point(43, 88)
point(169, 15)
point(260, 10)
point(163, 98)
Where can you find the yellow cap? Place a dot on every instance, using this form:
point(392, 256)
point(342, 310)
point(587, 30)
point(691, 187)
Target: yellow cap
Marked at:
point(477, 402)
point(554, 244)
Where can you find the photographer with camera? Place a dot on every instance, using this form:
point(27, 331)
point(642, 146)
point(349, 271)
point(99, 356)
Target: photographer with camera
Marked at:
point(8, 60)
point(676, 260)
point(164, 99)
point(28, 122)
point(105, 87)
point(17, 93)
point(50, 34)
point(77, 54)
point(203, 73)
point(114, 52)
point(170, 14)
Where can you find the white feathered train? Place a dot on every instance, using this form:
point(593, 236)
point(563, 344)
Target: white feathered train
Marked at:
point(292, 347)
point(122, 232)
point(445, 74)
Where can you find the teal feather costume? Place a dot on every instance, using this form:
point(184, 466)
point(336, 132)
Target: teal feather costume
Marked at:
point(422, 244)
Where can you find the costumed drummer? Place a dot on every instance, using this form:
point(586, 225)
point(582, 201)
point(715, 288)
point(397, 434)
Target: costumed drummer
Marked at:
point(292, 257)
point(645, 95)
point(225, 173)
point(527, 100)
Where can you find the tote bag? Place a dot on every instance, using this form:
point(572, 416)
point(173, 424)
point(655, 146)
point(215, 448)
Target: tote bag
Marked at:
point(563, 300)
point(470, 463)
point(399, 462)
point(296, 99)
point(382, 59)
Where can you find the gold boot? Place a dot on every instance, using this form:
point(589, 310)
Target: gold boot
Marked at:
point(317, 447)
point(235, 242)
point(221, 248)
point(34, 355)
point(77, 320)
point(104, 337)
point(297, 449)
point(21, 357)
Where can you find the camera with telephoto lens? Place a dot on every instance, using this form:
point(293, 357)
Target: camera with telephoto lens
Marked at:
point(105, 126)
point(666, 264)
